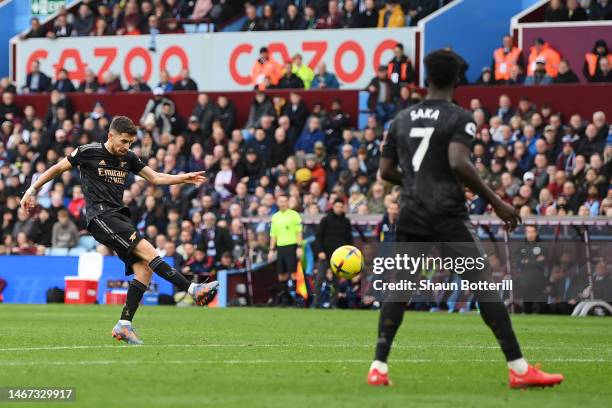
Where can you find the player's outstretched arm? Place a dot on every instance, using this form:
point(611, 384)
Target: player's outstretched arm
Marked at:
point(156, 178)
point(28, 201)
point(461, 165)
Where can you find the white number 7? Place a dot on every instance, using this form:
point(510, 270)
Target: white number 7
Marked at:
point(419, 155)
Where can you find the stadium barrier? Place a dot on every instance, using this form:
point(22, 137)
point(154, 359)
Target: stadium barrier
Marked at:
point(29, 277)
point(219, 61)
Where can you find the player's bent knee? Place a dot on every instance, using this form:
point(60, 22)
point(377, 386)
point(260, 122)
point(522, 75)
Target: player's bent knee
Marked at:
point(145, 251)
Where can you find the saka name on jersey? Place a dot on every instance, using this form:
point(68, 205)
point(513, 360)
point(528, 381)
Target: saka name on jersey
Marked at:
point(418, 141)
point(103, 177)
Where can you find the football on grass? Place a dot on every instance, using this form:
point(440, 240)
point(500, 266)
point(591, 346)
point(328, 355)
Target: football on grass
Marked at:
point(346, 262)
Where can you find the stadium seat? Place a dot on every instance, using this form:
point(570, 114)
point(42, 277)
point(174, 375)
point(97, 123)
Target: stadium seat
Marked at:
point(87, 242)
point(77, 251)
point(57, 251)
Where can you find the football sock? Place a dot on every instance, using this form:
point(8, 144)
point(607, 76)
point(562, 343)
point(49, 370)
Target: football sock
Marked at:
point(134, 296)
point(519, 366)
point(496, 316)
point(124, 322)
point(169, 273)
point(380, 366)
point(191, 289)
point(391, 316)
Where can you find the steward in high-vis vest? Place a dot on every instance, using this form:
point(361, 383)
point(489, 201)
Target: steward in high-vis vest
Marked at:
point(505, 58)
point(591, 69)
point(543, 50)
point(399, 70)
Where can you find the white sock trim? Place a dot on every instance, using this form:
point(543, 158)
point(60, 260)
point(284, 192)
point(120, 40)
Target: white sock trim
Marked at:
point(519, 366)
point(191, 289)
point(382, 367)
point(125, 322)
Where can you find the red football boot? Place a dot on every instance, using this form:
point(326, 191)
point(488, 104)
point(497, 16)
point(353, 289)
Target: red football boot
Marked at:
point(376, 378)
point(534, 377)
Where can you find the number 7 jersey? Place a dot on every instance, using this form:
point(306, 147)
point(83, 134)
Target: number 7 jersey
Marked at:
point(418, 140)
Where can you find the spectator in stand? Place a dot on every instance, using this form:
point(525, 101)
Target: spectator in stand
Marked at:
point(225, 113)
point(185, 82)
point(310, 17)
point(164, 81)
point(84, 21)
point(516, 76)
point(324, 79)
point(204, 111)
point(333, 17)
point(591, 69)
point(268, 21)
point(418, 9)
point(296, 111)
point(9, 111)
point(265, 68)
point(35, 31)
point(399, 70)
point(63, 83)
point(110, 83)
point(486, 77)
point(101, 28)
point(555, 12)
point(539, 75)
point(543, 51)
point(261, 106)
point(604, 71)
point(138, 85)
point(252, 22)
point(311, 134)
point(303, 71)
point(292, 19)
point(350, 15)
point(90, 83)
point(65, 233)
point(506, 58)
point(391, 16)
point(37, 81)
point(290, 80)
point(380, 100)
point(61, 27)
point(7, 85)
point(368, 18)
point(566, 75)
point(601, 10)
point(575, 12)
point(154, 105)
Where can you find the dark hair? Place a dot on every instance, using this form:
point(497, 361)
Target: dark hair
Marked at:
point(442, 68)
point(400, 46)
point(123, 124)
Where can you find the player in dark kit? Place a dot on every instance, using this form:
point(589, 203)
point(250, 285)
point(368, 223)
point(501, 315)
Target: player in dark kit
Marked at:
point(104, 171)
point(431, 143)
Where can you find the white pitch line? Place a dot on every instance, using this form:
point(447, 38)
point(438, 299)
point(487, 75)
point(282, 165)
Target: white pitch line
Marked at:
point(246, 362)
point(293, 346)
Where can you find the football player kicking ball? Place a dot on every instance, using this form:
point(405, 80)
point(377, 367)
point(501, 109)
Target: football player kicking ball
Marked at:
point(104, 171)
point(431, 144)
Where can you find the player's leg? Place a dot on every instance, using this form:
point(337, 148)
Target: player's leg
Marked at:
point(203, 293)
point(389, 322)
point(138, 286)
point(494, 312)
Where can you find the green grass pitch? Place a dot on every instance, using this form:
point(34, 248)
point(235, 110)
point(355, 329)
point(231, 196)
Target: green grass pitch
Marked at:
point(294, 358)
